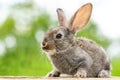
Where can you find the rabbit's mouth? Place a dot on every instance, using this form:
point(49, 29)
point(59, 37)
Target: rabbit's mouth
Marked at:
point(48, 47)
point(45, 48)
point(49, 50)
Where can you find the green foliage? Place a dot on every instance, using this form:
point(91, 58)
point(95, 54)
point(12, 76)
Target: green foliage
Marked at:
point(24, 5)
point(24, 64)
point(7, 27)
point(42, 22)
point(116, 66)
point(25, 58)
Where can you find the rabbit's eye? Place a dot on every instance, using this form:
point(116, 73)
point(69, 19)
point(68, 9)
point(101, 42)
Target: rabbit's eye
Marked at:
point(59, 36)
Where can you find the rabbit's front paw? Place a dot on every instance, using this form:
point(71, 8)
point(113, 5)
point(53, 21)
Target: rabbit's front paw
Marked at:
point(104, 74)
point(56, 74)
point(81, 74)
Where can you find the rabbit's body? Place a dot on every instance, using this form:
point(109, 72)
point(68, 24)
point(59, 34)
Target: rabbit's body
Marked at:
point(78, 57)
point(69, 60)
point(86, 54)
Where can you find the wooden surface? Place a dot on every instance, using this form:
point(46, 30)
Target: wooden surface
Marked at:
point(61, 78)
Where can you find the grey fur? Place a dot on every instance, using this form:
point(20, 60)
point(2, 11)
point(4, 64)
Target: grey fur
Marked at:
point(79, 57)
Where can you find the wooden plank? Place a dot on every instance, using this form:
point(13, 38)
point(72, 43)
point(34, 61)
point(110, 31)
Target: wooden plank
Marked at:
point(57, 78)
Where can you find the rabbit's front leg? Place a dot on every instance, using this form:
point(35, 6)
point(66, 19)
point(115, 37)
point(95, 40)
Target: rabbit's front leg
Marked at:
point(81, 73)
point(54, 73)
point(84, 64)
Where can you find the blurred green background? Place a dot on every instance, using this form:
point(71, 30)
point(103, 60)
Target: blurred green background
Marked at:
point(21, 35)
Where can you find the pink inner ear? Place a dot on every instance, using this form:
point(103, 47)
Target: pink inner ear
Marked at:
point(81, 17)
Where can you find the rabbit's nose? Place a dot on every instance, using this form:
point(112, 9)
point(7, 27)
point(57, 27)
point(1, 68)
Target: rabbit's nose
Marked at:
point(44, 44)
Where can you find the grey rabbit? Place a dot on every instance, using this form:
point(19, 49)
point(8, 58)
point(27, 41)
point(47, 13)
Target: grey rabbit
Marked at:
point(78, 57)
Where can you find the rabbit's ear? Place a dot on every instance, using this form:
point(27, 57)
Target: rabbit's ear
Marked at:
point(61, 17)
point(81, 17)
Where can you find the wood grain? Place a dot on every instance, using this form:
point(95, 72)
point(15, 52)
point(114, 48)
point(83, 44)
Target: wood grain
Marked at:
point(60, 78)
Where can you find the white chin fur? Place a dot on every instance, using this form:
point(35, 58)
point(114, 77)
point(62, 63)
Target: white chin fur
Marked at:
point(51, 52)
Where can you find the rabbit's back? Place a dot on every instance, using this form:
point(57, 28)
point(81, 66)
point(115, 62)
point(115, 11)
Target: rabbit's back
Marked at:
point(97, 54)
point(91, 47)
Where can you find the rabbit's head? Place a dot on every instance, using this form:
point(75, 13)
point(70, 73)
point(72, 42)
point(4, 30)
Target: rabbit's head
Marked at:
point(63, 36)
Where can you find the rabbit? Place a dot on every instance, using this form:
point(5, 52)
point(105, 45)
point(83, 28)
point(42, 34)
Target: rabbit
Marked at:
point(78, 57)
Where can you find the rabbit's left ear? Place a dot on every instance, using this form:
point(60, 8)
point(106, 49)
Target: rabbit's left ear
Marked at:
point(61, 17)
point(80, 18)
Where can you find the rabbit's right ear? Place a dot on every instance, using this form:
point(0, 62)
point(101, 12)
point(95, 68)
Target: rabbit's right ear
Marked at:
point(61, 17)
point(81, 17)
